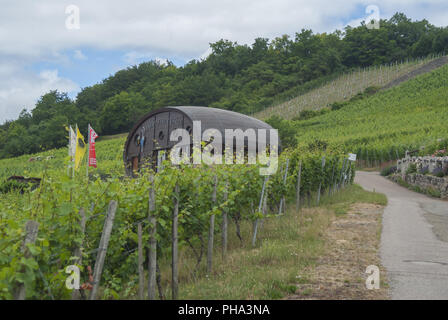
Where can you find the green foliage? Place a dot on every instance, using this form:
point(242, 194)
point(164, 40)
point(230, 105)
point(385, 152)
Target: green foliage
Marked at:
point(285, 129)
point(412, 168)
point(308, 114)
point(317, 145)
point(11, 185)
point(439, 174)
point(381, 127)
point(56, 203)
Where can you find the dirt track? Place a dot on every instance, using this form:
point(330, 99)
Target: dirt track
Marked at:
point(430, 66)
point(352, 244)
point(414, 247)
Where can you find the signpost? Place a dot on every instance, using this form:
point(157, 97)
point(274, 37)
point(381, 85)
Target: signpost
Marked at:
point(352, 156)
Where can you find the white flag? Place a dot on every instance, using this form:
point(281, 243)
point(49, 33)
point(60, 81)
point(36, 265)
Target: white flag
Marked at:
point(72, 143)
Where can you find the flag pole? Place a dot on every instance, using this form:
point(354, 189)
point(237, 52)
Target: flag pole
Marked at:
point(69, 148)
point(73, 158)
point(88, 151)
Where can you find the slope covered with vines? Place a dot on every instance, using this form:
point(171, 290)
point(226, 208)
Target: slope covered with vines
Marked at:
point(383, 126)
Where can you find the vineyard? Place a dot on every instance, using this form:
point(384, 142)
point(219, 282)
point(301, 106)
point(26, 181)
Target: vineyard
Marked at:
point(176, 212)
point(124, 233)
point(344, 87)
point(381, 127)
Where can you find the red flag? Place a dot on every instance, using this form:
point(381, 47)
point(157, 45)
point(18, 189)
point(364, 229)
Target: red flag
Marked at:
point(92, 153)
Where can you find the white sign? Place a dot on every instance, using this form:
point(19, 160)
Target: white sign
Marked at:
point(352, 156)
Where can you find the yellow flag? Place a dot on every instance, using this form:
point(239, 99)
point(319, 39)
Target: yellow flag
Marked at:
point(80, 148)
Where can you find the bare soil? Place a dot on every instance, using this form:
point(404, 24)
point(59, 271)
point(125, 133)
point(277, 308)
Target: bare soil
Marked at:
point(352, 244)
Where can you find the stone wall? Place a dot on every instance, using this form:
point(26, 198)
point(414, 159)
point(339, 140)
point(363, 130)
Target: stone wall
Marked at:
point(425, 182)
point(431, 163)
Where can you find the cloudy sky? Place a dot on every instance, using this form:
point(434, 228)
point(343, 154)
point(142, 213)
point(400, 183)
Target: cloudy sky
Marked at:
point(42, 49)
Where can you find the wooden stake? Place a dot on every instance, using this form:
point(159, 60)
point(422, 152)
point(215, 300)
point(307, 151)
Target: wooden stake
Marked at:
point(152, 259)
point(104, 243)
point(298, 186)
point(332, 180)
point(282, 200)
point(225, 224)
point(141, 274)
point(31, 229)
point(321, 177)
point(78, 251)
point(263, 192)
point(175, 273)
point(211, 232)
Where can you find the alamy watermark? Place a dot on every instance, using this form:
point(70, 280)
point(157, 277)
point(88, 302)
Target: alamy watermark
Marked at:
point(73, 21)
point(373, 280)
point(72, 281)
point(373, 18)
point(250, 146)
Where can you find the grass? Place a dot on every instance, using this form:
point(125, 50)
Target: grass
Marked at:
point(109, 153)
point(288, 246)
point(341, 202)
point(112, 137)
point(271, 270)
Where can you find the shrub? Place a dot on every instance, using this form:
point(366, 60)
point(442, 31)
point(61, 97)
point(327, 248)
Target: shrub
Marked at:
point(8, 186)
point(440, 153)
point(285, 130)
point(371, 90)
point(387, 171)
point(424, 170)
point(411, 169)
point(308, 114)
point(438, 172)
point(337, 105)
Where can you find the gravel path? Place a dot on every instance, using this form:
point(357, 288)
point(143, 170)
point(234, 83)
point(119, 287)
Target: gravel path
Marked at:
point(414, 247)
point(428, 67)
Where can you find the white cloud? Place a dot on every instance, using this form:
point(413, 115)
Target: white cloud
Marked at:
point(78, 55)
point(20, 89)
point(133, 57)
point(34, 31)
point(180, 27)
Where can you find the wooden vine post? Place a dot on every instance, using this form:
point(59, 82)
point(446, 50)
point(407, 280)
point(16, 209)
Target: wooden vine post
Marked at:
point(349, 175)
point(225, 224)
point(152, 261)
point(332, 180)
point(211, 230)
point(341, 174)
point(260, 206)
point(321, 178)
point(102, 249)
point(31, 229)
point(76, 294)
point(299, 174)
point(283, 200)
point(175, 257)
point(141, 272)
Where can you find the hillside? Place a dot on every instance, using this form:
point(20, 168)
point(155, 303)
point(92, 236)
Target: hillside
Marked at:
point(379, 127)
point(382, 126)
point(348, 85)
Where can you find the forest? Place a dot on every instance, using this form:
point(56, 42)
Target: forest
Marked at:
point(241, 78)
